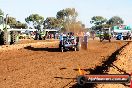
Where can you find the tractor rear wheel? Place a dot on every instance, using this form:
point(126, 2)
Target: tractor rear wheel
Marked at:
point(6, 38)
point(109, 39)
point(101, 38)
point(78, 47)
point(14, 35)
point(62, 49)
point(1, 38)
point(75, 48)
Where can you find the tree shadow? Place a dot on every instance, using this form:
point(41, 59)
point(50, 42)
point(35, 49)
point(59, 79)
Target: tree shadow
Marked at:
point(42, 49)
point(64, 78)
point(84, 86)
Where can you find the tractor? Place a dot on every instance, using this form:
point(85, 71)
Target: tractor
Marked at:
point(68, 42)
point(105, 34)
point(7, 37)
point(40, 33)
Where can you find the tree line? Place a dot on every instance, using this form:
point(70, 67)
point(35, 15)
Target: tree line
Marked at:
point(13, 22)
point(101, 22)
point(66, 20)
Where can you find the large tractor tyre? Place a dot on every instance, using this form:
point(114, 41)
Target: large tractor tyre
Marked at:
point(16, 37)
point(36, 37)
point(13, 37)
point(43, 37)
point(101, 38)
point(124, 37)
point(130, 38)
point(78, 47)
point(6, 38)
point(77, 39)
point(109, 39)
point(62, 49)
point(60, 46)
point(2, 38)
point(75, 48)
point(40, 37)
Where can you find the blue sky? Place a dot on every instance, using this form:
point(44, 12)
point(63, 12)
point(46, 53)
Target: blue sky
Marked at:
point(86, 9)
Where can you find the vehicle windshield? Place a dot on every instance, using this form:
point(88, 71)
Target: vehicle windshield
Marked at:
point(1, 20)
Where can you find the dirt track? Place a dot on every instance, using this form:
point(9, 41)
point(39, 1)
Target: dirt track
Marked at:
point(39, 67)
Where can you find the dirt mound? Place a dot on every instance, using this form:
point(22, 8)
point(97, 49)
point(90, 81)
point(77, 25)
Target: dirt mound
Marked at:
point(121, 66)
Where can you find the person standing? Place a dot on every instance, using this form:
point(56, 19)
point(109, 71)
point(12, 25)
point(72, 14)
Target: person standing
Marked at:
point(93, 35)
point(86, 36)
point(130, 35)
point(61, 37)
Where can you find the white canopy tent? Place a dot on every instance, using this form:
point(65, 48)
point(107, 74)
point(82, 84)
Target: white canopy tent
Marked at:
point(31, 30)
point(121, 30)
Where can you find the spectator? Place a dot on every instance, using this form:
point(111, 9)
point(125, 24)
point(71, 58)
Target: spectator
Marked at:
point(61, 36)
point(88, 34)
point(86, 40)
point(130, 35)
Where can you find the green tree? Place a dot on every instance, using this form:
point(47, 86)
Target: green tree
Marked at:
point(98, 22)
point(11, 21)
point(51, 23)
point(67, 17)
point(115, 20)
point(15, 24)
point(1, 12)
point(106, 25)
point(35, 19)
point(21, 25)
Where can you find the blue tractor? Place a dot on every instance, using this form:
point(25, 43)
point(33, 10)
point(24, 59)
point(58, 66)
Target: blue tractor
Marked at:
point(68, 42)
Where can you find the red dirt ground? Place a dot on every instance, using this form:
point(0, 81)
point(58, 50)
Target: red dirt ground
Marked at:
point(41, 67)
